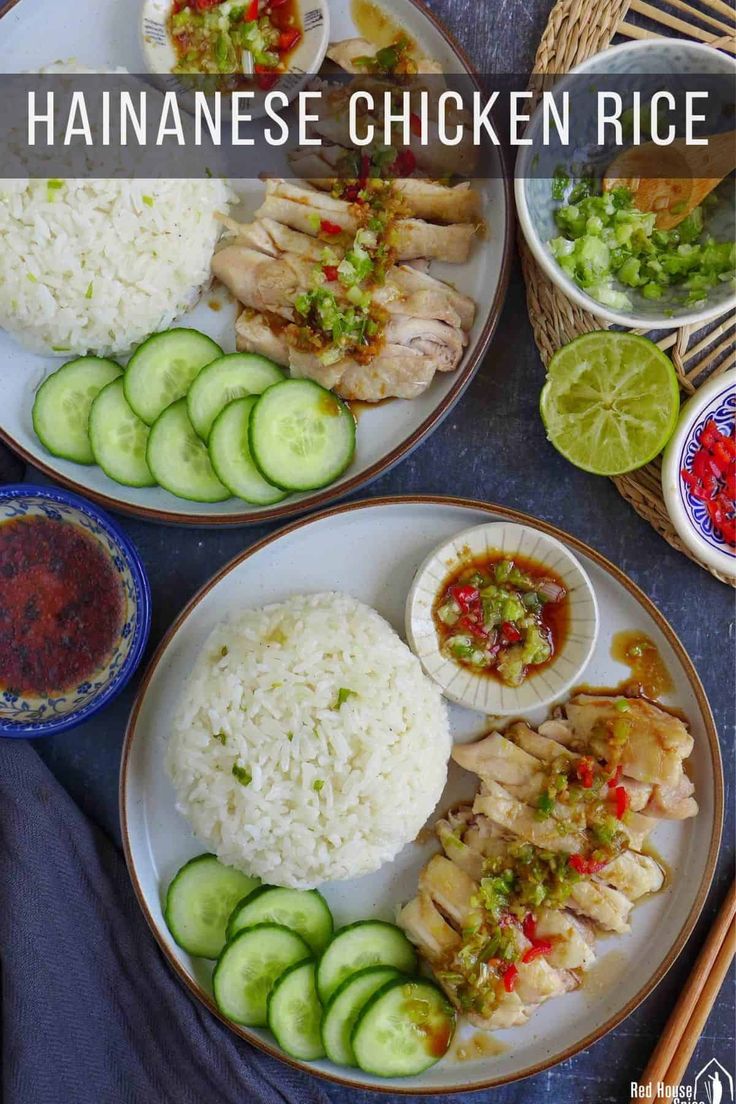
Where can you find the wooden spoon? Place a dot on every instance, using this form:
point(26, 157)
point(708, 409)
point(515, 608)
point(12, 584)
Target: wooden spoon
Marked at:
point(684, 175)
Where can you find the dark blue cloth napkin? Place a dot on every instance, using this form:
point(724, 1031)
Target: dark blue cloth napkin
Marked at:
point(91, 1013)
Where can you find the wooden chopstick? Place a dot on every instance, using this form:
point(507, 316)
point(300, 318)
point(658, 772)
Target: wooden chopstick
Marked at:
point(672, 1053)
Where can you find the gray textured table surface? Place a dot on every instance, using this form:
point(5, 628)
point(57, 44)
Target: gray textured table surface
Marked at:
point(492, 447)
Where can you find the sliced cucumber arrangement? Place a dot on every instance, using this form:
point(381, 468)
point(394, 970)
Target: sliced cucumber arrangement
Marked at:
point(229, 451)
point(302, 437)
point(295, 1012)
point(62, 405)
point(179, 460)
point(403, 1029)
point(356, 1004)
point(201, 423)
point(163, 368)
point(366, 943)
point(247, 968)
point(229, 377)
point(344, 1007)
point(119, 438)
point(199, 902)
point(303, 911)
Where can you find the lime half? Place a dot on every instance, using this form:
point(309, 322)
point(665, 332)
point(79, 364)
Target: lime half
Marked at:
point(611, 401)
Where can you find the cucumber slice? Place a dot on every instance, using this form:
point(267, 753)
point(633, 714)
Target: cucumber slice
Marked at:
point(366, 943)
point(198, 902)
point(179, 461)
point(229, 377)
point(304, 911)
point(118, 438)
point(403, 1029)
point(248, 967)
point(62, 404)
point(231, 459)
point(294, 1013)
point(301, 436)
point(344, 1007)
point(162, 369)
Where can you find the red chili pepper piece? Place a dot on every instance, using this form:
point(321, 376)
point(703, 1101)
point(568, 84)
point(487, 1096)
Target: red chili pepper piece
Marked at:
point(404, 165)
point(330, 271)
point(265, 77)
point(277, 3)
point(537, 949)
point(584, 771)
point(288, 39)
point(529, 926)
point(202, 5)
point(251, 12)
point(510, 633)
point(510, 975)
point(622, 802)
point(328, 227)
point(585, 866)
point(615, 778)
point(351, 193)
point(465, 596)
point(365, 168)
point(415, 124)
point(473, 626)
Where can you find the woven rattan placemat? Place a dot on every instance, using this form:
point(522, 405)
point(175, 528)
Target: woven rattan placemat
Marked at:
point(577, 29)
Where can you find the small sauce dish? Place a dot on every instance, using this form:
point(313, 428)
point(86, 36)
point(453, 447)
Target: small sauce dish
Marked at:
point(76, 610)
point(299, 62)
point(689, 508)
point(489, 596)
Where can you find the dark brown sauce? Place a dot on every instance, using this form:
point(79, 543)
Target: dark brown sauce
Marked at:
point(554, 616)
point(649, 675)
point(358, 406)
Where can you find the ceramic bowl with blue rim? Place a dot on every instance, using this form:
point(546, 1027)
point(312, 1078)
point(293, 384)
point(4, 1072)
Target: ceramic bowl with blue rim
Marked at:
point(715, 401)
point(650, 63)
point(24, 716)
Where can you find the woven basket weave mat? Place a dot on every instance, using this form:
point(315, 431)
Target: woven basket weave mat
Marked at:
point(576, 29)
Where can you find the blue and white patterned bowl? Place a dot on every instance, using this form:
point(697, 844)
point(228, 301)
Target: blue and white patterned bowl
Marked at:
point(648, 60)
point(26, 717)
point(716, 400)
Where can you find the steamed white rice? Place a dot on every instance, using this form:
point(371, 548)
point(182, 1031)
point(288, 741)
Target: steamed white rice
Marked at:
point(324, 792)
point(98, 265)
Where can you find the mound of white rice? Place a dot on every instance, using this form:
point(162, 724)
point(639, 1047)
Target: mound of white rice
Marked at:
point(98, 265)
point(281, 774)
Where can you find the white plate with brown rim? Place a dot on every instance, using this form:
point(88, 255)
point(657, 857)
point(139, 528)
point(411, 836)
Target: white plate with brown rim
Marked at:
point(372, 550)
point(104, 33)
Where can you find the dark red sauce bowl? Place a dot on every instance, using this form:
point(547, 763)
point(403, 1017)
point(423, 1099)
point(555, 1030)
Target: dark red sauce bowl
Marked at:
point(75, 610)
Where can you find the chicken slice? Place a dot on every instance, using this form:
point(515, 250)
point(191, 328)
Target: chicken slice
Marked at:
point(509, 1012)
point(498, 759)
point(254, 333)
point(412, 237)
point(601, 903)
point(556, 729)
point(657, 742)
point(272, 237)
point(427, 928)
point(572, 939)
point(537, 981)
point(633, 874)
point(672, 802)
point(499, 805)
point(409, 279)
point(636, 828)
point(457, 850)
point(639, 793)
point(261, 282)
point(450, 888)
point(442, 344)
point(541, 747)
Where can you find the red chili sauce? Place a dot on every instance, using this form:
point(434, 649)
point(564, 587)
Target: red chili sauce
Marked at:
point(61, 605)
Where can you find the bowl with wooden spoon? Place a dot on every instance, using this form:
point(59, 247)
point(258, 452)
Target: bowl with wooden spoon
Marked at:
point(639, 233)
